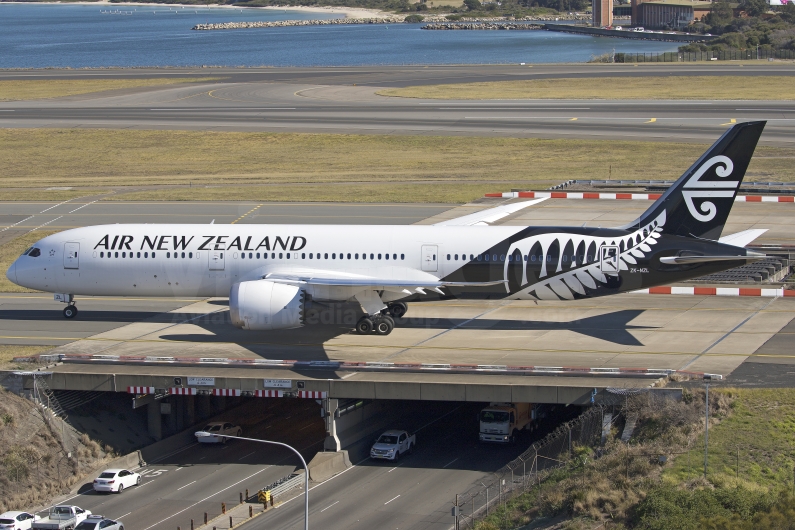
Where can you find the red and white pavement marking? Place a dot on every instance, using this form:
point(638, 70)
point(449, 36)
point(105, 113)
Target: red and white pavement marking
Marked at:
point(623, 196)
point(140, 390)
point(311, 394)
point(226, 392)
point(178, 391)
point(718, 291)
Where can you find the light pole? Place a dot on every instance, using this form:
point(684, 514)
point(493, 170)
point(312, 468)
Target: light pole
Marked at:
point(204, 434)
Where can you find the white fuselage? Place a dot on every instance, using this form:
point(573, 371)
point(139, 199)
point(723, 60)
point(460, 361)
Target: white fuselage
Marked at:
point(205, 260)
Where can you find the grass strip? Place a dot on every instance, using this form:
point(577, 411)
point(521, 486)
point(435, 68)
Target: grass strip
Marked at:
point(653, 87)
point(331, 167)
point(23, 90)
point(10, 251)
point(9, 351)
point(631, 486)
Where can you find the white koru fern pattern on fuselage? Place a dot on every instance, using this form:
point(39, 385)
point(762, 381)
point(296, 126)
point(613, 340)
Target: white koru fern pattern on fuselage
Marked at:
point(571, 278)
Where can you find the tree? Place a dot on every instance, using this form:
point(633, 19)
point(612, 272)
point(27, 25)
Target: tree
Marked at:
point(754, 8)
point(720, 14)
point(473, 5)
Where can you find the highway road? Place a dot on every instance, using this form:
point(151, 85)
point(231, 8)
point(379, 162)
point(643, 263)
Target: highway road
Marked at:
point(415, 492)
point(182, 484)
point(343, 100)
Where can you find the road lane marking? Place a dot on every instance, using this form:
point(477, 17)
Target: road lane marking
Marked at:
point(305, 427)
point(15, 224)
point(125, 515)
point(245, 214)
point(731, 122)
point(242, 457)
point(86, 204)
point(208, 497)
point(186, 485)
point(652, 120)
point(57, 205)
point(573, 119)
point(394, 468)
point(390, 500)
point(43, 225)
point(449, 463)
point(329, 506)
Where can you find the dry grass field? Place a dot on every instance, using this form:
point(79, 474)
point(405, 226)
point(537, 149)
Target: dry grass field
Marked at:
point(669, 87)
point(196, 165)
point(53, 88)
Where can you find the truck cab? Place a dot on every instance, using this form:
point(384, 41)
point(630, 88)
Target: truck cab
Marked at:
point(502, 422)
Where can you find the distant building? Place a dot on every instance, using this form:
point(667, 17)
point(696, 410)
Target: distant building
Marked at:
point(667, 14)
point(602, 13)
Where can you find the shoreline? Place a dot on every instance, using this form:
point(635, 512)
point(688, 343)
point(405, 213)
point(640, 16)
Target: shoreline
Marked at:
point(346, 12)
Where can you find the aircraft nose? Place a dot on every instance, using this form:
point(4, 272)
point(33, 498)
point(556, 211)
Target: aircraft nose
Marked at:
point(11, 273)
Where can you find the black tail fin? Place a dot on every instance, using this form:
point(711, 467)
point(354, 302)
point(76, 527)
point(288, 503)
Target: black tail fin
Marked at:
point(698, 204)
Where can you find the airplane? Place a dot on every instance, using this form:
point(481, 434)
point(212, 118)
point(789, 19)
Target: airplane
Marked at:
point(277, 275)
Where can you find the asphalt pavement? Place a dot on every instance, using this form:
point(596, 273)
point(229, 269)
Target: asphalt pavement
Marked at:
point(343, 100)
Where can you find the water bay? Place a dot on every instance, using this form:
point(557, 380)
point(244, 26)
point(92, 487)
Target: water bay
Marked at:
point(115, 35)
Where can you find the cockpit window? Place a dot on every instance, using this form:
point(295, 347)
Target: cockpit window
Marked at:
point(26, 251)
point(33, 252)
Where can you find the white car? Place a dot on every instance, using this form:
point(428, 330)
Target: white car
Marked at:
point(116, 480)
point(219, 428)
point(99, 522)
point(17, 520)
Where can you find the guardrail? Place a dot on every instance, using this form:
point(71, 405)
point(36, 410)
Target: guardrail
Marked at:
point(364, 366)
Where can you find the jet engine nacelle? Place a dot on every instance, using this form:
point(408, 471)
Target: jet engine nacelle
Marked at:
point(264, 305)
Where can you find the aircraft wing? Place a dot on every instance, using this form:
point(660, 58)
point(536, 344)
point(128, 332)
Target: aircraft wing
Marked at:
point(408, 285)
point(489, 215)
point(742, 239)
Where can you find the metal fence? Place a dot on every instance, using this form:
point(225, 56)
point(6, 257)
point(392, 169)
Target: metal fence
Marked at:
point(727, 55)
point(528, 470)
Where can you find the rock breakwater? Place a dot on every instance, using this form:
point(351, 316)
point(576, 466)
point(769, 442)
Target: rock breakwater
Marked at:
point(483, 26)
point(288, 23)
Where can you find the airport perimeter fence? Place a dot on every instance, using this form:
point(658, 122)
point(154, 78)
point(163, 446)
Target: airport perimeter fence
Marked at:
point(530, 469)
point(727, 55)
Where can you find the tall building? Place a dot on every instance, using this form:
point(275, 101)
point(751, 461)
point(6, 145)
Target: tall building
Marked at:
point(602, 13)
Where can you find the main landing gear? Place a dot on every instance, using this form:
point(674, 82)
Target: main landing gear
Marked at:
point(70, 311)
point(382, 323)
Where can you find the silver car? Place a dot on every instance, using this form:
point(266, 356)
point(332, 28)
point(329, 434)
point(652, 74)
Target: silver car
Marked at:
point(17, 520)
point(219, 427)
point(99, 522)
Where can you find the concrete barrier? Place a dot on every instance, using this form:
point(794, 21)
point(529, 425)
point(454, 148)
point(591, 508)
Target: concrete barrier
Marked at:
point(326, 465)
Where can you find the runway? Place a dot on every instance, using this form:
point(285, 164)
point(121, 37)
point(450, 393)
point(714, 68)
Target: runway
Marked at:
point(343, 100)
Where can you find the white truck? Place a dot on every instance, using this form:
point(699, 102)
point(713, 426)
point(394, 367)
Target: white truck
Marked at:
point(393, 444)
point(502, 422)
point(61, 517)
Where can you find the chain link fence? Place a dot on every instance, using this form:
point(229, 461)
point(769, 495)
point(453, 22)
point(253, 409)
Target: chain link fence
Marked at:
point(531, 468)
point(726, 55)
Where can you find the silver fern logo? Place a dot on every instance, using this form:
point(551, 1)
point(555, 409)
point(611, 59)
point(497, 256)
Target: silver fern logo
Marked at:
point(695, 188)
point(564, 276)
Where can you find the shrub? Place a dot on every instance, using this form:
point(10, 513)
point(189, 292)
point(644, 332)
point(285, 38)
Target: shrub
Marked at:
point(413, 19)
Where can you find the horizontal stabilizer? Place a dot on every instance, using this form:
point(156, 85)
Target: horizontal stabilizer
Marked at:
point(742, 239)
point(690, 260)
point(489, 215)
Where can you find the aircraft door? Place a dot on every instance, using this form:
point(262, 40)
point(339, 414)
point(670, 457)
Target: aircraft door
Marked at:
point(217, 260)
point(609, 260)
point(430, 258)
point(71, 255)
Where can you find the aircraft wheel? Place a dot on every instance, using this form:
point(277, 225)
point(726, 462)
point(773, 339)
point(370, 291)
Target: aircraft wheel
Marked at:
point(70, 311)
point(398, 309)
point(364, 326)
point(384, 326)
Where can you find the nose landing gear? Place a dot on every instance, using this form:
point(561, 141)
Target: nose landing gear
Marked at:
point(70, 311)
